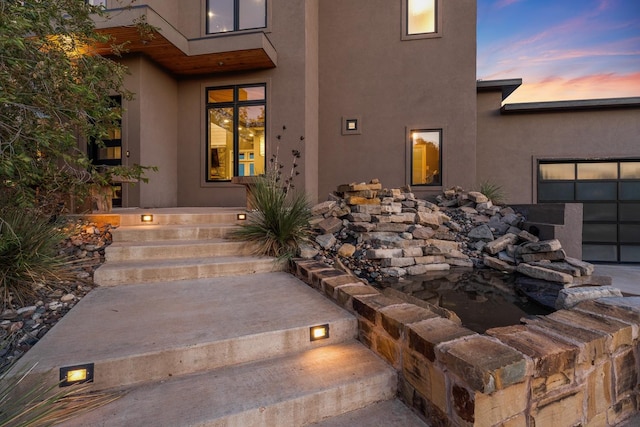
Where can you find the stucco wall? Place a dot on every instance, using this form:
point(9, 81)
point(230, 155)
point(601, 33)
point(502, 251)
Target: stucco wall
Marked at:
point(150, 134)
point(366, 70)
point(291, 102)
point(509, 145)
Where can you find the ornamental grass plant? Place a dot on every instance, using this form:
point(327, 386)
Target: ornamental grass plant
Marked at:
point(28, 255)
point(494, 192)
point(38, 404)
point(279, 222)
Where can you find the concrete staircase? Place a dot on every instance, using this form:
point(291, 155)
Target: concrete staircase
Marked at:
point(178, 246)
point(196, 332)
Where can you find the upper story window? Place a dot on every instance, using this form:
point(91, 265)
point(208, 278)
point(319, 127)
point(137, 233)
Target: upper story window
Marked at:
point(420, 19)
point(97, 2)
point(235, 15)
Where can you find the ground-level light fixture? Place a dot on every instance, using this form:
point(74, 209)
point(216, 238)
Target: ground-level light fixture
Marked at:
point(319, 332)
point(146, 218)
point(76, 374)
point(241, 216)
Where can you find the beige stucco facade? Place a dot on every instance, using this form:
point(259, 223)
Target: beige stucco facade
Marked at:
point(360, 98)
point(321, 62)
point(511, 141)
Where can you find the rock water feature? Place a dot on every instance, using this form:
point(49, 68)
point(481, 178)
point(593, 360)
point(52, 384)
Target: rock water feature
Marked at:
point(578, 366)
point(392, 239)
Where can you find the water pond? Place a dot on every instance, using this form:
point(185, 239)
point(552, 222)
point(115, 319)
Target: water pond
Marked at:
point(483, 299)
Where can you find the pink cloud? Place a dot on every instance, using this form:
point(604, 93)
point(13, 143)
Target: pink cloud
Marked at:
point(505, 3)
point(556, 88)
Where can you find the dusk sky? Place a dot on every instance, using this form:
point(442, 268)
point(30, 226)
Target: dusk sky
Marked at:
point(562, 49)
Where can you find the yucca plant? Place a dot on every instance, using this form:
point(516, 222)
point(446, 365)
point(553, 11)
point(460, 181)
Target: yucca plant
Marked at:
point(28, 254)
point(493, 191)
point(280, 220)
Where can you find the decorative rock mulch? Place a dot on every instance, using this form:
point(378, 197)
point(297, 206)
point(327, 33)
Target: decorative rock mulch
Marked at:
point(23, 325)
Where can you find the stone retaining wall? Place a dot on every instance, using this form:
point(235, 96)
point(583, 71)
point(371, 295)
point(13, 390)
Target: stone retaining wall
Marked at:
point(572, 367)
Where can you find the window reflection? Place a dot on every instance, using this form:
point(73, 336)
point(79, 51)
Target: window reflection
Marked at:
point(557, 171)
point(421, 16)
point(234, 15)
point(630, 170)
point(426, 168)
point(597, 170)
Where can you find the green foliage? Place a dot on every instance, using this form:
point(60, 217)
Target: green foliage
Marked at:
point(280, 222)
point(28, 254)
point(494, 192)
point(52, 95)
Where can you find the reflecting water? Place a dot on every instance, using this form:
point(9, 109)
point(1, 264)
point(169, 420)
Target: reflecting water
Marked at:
point(483, 299)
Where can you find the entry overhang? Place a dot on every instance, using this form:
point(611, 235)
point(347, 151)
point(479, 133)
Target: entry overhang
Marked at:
point(158, 40)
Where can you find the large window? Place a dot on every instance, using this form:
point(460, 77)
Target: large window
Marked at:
point(235, 15)
point(420, 17)
point(235, 131)
point(426, 159)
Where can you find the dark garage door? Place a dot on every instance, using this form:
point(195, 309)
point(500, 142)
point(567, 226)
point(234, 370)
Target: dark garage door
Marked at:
point(610, 193)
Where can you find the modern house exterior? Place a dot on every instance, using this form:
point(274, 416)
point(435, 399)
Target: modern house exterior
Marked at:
point(365, 89)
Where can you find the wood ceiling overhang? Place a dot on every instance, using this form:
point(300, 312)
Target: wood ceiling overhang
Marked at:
point(180, 56)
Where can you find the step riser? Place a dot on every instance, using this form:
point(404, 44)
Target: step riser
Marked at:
point(175, 219)
point(139, 234)
point(293, 390)
point(105, 276)
point(144, 368)
point(313, 408)
point(121, 253)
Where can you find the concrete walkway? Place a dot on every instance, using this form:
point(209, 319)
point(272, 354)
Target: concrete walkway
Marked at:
point(625, 277)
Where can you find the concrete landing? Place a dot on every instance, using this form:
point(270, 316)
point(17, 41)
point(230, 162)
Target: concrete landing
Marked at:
point(147, 332)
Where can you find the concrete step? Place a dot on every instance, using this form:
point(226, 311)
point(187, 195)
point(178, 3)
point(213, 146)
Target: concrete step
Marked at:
point(388, 413)
point(134, 272)
point(149, 233)
point(293, 390)
point(173, 249)
point(153, 332)
point(177, 216)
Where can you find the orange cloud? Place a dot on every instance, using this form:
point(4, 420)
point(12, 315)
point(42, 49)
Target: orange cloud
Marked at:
point(594, 86)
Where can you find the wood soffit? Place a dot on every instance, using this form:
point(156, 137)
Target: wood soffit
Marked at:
point(173, 59)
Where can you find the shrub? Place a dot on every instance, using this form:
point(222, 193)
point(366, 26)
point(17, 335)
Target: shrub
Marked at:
point(280, 220)
point(494, 192)
point(28, 254)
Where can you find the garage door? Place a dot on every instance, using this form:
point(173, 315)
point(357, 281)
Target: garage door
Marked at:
point(610, 193)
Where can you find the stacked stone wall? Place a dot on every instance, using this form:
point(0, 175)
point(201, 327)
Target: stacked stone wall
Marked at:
point(577, 366)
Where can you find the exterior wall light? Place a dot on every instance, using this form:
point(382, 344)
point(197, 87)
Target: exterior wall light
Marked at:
point(146, 218)
point(77, 374)
point(351, 125)
point(241, 216)
point(319, 332)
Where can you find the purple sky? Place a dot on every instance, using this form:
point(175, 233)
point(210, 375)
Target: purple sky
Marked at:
point(562, 49)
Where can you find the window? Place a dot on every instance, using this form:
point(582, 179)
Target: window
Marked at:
point(235, 15)
point(235, 131)
point(426, 158)
point(421, 19)
point(97, 2)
